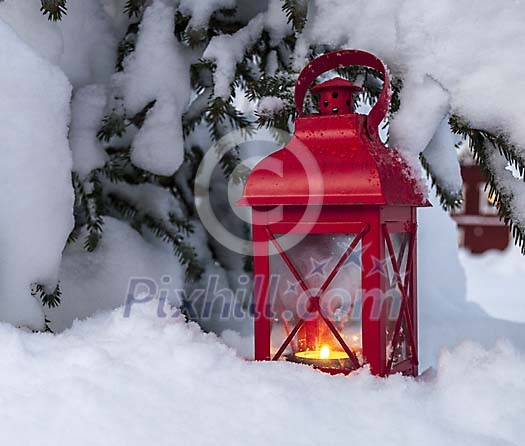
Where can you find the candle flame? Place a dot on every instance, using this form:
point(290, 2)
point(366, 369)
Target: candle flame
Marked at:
point(323, 353)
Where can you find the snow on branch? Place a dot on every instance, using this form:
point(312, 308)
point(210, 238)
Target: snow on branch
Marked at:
point(226, 51)
point(157, 71)
point(54, 9)
point(504, 168)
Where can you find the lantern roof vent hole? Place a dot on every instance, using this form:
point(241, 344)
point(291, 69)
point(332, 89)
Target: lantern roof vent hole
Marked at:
point(335, 96)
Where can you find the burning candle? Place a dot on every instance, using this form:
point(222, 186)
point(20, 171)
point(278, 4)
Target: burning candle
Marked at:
point(323, 358)
point(324, 353)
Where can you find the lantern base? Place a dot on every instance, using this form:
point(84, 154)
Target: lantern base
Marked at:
point(342, 364)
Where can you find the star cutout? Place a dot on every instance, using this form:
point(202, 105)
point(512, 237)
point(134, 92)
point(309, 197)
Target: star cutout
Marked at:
point(292, 287)
point(353, 259)
point(379, 266)
point(397, 278)
point(318, 267)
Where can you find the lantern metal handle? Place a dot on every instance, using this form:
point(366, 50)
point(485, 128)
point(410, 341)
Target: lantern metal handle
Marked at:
point(344, 58)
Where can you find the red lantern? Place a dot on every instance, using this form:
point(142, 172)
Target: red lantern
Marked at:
point(334, 233)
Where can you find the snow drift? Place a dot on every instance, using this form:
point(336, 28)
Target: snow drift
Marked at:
point(145, 380)
point(37, 197)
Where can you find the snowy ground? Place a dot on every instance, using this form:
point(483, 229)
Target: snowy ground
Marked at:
point(496, 281)
point(144, 380)
point(110, 380)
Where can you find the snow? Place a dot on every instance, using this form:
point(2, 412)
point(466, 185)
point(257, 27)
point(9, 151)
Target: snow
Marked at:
point(114, 9)
point(143, 380)
point(446, 317)
point(83, 43)
point(150, 377)
point(98, 281)
point(276, 23)
point(201, 11)
point(442, 155)
point(424, 105)
point(226, 51)
point(445, 57)
point(270, 105)
point(87, 111)
point(25, 18)
point(37, 196)
point(495, 280)
point(422, 38)
point(157, 70)
point(90, 43)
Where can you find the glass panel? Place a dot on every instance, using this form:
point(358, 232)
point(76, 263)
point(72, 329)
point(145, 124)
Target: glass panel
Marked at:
point(400, 243)
point(315, 258)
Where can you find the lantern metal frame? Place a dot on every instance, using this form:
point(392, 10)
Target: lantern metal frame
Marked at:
point(366, 191)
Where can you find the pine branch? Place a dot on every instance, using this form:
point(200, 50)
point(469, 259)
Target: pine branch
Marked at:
point(219, 113)
point(280, 85)
point(296, 11)
point(181, 23)
point(184, 226)
point(123, 207)
point(448, 199)
point(482, 145)
point(196, 111)
point(134, 8)
point(73, 236)
point(113, 124)
point(116, 168)
point(54, 9)
point(161, 229)
point(193, 158)
point(184, 252)
point(221, 21)
point(51, 300)
point(127, 45)
point(138, 119)
point(277, 120)
point(93, 208)
point(395, 101)
point(47, 328)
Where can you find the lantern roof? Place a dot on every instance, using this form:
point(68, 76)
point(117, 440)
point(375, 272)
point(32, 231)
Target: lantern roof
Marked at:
point(332, 160)
point(335, 83)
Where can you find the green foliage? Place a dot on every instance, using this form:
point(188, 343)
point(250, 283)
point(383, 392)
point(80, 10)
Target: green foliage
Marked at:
point(89, 210)
point(113, 125)
point(171, 230)
point(185, 252)
point(296, 11)
point(53, 9)
point(222, 21)
point(134, 8)
point(482, 145)
point(449, 200)
point(50, 300)
point(279, 86)
point(127, 45)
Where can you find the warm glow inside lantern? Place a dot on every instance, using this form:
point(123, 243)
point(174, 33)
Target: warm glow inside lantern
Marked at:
point(334, 233)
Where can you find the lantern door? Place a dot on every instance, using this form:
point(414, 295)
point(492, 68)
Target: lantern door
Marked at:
point(309, 296)
point(398, 270)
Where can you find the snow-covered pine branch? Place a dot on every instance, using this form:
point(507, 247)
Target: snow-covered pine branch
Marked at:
point(170, 77)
